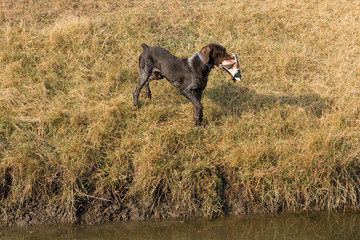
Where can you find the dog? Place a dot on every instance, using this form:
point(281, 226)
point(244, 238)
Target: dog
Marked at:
point(189, 75)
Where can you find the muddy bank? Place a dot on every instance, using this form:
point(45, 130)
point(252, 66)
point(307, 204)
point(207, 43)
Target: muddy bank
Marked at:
point(90, 210)
point(97, 211)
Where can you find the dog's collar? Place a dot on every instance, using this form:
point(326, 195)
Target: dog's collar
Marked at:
point(208, 64)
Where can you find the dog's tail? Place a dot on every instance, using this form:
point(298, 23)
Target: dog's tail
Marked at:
point(144, 46)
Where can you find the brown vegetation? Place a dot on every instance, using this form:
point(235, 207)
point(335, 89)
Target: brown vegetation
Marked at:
point(74, 149)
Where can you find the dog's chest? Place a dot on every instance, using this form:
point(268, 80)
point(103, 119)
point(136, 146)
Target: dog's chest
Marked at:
point(198, 74)
point(199, 81)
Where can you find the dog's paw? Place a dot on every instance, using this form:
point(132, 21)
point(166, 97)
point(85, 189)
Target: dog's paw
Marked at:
point(200, 125)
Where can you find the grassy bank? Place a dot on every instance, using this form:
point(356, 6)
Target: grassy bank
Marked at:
point(74, 149)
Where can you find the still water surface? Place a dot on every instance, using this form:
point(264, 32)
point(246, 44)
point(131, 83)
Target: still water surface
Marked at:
point(283, 226)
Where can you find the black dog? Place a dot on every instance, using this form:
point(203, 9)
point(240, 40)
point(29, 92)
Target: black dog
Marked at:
point(189, 75)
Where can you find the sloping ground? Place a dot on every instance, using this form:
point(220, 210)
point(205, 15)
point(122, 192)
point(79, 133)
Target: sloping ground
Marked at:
point(74, 149)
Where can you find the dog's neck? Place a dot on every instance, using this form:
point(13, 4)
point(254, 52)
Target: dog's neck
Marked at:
point(210, 66)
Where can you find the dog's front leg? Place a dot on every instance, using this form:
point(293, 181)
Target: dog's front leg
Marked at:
point(198, 110)
point(195, 98)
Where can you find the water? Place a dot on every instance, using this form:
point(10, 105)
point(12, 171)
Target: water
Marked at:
point(283, 226)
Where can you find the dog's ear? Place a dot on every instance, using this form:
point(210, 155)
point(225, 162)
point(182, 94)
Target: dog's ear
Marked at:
point(205, 54)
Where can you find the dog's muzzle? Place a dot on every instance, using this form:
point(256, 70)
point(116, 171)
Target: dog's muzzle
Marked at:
point(232, 67)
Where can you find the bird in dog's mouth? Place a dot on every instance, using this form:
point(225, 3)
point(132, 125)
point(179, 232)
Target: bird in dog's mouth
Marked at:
point(232, 67)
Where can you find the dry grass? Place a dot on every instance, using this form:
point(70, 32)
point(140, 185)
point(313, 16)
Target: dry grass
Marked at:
point(286, 138)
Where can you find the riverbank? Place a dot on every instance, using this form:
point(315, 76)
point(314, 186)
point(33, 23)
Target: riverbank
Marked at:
point(73, 149)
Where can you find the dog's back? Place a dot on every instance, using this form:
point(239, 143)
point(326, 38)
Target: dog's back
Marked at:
point(162, 60)
point(157, 53)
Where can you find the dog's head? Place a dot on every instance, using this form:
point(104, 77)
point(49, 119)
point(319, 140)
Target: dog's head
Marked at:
point(215, 54)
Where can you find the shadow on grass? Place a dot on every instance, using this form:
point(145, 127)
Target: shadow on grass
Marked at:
point(236, 99)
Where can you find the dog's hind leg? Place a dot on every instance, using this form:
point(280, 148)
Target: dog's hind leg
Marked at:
point(143, 79)
point(148, 92)
point(155, 75)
